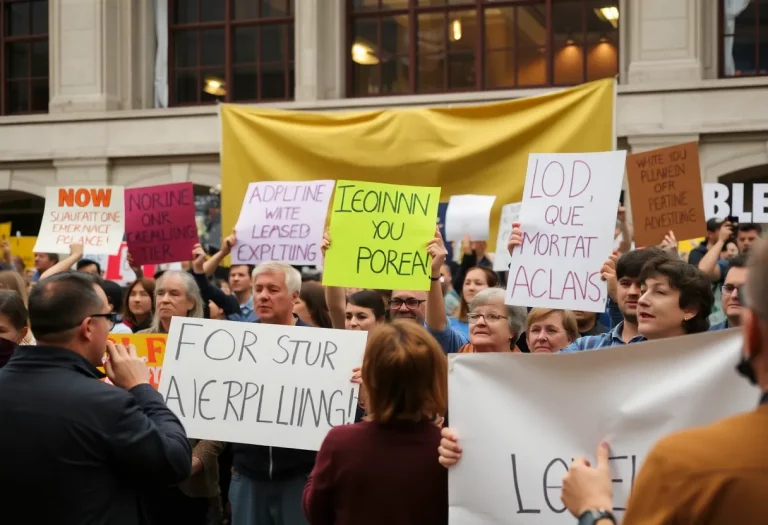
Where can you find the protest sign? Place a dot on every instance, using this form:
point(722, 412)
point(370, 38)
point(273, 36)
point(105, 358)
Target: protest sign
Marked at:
point(630, 396)
point(509, 214)
point(149, 346)
point(282, 221)
point(89, 215)
point(24, 248)
point(721, 202)
point(666, 194)
point(5, 234)
point(260, 384)
point(160, 223)
point(567, 218)
point(379, 235)
point(468, 215)
point(118, 270)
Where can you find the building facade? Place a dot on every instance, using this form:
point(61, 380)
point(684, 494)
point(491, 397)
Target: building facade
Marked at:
point(124, 91)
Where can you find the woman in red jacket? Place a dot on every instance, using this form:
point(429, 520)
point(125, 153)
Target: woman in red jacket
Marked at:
point(383, 469)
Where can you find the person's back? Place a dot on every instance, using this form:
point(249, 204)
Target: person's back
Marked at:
point(384, 473)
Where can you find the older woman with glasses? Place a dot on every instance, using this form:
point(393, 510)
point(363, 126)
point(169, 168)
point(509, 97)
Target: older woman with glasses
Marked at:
point(493, 326)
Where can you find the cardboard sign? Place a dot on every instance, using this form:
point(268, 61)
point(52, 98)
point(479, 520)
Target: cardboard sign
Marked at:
point(468, 215)
point(666, 193)
point(509, 214)
point(149, 346)
point(160, 223)
point(379, 235)
point(282, 221)
point(261, 384)
point(630, 396)
point(567, 219)
point(89, 215)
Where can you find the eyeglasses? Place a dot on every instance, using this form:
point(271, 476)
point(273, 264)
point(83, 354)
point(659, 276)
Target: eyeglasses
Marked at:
point(729, 289)
point(411, 304)
point(488, 318)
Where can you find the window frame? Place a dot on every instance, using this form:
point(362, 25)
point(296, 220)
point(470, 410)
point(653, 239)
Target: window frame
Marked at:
point(29, 39)
point(412, 10)
point(721, 36)
point(228, 25)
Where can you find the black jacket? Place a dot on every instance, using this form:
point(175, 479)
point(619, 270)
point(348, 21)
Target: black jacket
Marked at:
point(272, 463)
point(83, 449)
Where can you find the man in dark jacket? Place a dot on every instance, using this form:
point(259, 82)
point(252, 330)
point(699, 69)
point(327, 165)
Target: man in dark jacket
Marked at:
point(85, 449)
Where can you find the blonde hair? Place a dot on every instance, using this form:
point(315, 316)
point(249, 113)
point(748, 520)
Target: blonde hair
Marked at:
point(190, 290)
point(12, 280)
point(569, 320)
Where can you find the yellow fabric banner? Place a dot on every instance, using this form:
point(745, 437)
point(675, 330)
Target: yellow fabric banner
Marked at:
point(379, 236)
point(474, 149)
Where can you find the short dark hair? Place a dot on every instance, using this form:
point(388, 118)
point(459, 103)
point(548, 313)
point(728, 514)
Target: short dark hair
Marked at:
point(631, 263)
point(82, 263)
point(313, 295)
point(750, 226)
point(57, 304)
point(114, 294)
point(372, 300)
point(693, 285)
point(53, 256)
point(12, 306)
point(251, 267)
point(737, 261)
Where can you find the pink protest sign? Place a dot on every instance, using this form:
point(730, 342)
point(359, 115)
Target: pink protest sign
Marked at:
point(160, 223)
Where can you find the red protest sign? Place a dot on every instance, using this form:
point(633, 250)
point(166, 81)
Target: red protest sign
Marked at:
point(160, 223)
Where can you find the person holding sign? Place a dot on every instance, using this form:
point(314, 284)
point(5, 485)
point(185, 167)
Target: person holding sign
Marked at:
point(383, 471)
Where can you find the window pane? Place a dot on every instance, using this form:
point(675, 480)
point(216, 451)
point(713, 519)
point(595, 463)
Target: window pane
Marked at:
point(532, 66)
point(499, 28)
point(212, 87)
point(245, 45)
point(17, 97)
point(744, 54)
point(365, 47)
point(272, 42)
point(569, 61)
point(431, 50)
point(462, 31)
point(17, 18)
point(394, 4)
point(17, 54)
point(185, 48)
point(212, 10)
point(394, 72)
point(186, 87)
point(40, 97)
point(272, 82)
point(423, 3)
point(40, 58)
point(532, 24)
point(245, 9)
point(246, 83)
point(431, 75)
point(184, 11)
point(365, 80)
point(603, 56)
point(499, 69)
point(212, 47)
point(358, 6)
point(274, 9)
point(40, 18)
point(291, 43)
point(394, 36)
point(461, 71)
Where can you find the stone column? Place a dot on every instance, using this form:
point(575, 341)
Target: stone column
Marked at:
point(320, 58)
point(82, 171)
point(665, 41)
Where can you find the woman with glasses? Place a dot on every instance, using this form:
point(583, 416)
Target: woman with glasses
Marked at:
point(549, 330)
point(13, 323)
point(475, 280)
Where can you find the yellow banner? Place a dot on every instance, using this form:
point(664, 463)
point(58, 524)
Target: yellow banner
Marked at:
point(379, 236)
point(151, 346)
point(684, 248)
point(5, 233)
point(475, 149)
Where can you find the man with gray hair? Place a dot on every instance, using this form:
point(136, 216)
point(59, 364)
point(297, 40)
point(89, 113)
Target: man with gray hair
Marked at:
point(268, 482)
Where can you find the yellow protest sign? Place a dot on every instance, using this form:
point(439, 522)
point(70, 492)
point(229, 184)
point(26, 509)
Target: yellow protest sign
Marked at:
point(684, 248)
point(5, 233)
point(151, 346)
point(24, 248)
point(379, 234)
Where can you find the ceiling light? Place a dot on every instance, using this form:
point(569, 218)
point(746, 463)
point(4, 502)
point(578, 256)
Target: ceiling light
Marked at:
point(456, 30)
point(215, 86)
point(608, 14)
point(363, 54)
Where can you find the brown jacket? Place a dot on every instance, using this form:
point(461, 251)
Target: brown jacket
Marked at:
point(714, 475)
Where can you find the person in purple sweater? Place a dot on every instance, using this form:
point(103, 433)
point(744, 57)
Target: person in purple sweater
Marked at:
point(383, 470)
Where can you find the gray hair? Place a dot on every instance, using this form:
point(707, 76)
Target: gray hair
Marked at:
point(292, 275)
point(516, 315)
point(191, 291)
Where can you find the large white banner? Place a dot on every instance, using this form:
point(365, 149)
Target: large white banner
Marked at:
point(522, 418)
point(261, 384)
point(568, 217)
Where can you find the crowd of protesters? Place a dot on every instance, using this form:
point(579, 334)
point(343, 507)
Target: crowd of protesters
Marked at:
point(112, 452)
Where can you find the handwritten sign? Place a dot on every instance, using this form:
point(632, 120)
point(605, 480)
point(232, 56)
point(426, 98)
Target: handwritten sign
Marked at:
point(379, 235)
point(509, 214)
point(160, 223)
point(630, 396)
point(89, 215)
point(149, 346)
point(568, 215)
point(666, 193)
point(468, 215)
point(282, 221)
point(260, 384)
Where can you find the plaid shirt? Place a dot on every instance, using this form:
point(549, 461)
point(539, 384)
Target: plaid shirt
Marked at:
point(596, 342)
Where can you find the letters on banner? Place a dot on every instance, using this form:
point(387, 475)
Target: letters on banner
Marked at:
point(540, 411)
point(568, 217)
point(149, 346)
point(260, 384)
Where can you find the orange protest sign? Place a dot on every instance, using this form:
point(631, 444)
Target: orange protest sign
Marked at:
point(666, 193)
point(151, 346)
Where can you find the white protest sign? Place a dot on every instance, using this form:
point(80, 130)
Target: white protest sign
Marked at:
point(260, 384)
point(720, 203)
point(468, 215)
point(540, 411)
point(567, 219)
point(93, 216)
point(509, 214)
point(282, 221)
